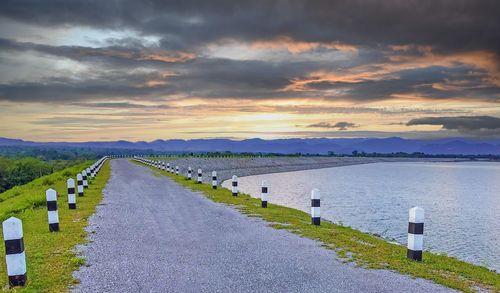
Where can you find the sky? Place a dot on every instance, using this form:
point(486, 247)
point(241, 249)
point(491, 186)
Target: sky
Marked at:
point(146, 70)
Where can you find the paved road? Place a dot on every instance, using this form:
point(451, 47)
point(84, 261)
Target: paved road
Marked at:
point(151, 235)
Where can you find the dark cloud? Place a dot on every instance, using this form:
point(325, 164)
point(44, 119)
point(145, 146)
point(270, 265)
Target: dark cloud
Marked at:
point(128, 54)
point(477, 125)
point(103, 86)
point(447, 24)
point(339, 125)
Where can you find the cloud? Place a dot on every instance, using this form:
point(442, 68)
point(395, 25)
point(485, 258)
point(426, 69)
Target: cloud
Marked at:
point(339, 125)
point(126, 54)
point(120, 105)
point(475, 125)
point(439, 58)
point(447, 24)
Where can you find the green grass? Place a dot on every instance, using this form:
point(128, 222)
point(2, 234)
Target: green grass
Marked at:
point(50, 257)
point(364, 249)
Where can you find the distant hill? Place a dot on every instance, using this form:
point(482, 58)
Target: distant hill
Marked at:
point(448, 146)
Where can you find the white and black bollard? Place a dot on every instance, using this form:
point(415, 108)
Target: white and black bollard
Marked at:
point(88, 176)
point(263, 194)
point(189, 173)
point(415, 233)
point(84, 178)
point(315, 207)
point(15, 259)
point(79, 182)
point(53, 214)
point(92, 171)
point(198, 180)
point(176, 170)
point(71, 194)
point(163, 166)
point(168, 167)
point(214, 180)
point(234, 185)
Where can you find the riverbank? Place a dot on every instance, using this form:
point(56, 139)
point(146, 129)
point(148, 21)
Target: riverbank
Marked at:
point(352, 245)
point(227, 167)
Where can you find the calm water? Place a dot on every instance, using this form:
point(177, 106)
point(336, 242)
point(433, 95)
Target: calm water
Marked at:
point(461, 202)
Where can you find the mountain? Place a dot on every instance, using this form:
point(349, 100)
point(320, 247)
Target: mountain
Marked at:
point(448, 146)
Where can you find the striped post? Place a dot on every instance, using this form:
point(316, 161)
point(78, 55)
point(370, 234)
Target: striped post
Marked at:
point(168, 167)
point(214, 180)
point(79, 182)
point(315, 206)
point(71, 194)
point(199, 177)
point(176, 170)
point(53, 214)
point(189, 173)
point(163, 166)
point(234, 185)
point(84, 177)
point(415, 233)
point(92, 172)
point(88, 175)
point(15, 259)
point(263, 194)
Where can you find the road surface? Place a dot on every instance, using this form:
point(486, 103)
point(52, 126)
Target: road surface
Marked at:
point(152, 235)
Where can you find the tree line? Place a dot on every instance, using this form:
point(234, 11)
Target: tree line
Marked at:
point(18, 171)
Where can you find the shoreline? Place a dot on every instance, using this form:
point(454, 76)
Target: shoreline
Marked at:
point(242, 167)
point(351, 245)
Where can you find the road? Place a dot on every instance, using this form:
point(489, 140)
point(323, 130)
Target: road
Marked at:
point(152, 235)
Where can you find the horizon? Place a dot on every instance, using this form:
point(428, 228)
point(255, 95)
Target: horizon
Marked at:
point(471, 139)
point(242, 70)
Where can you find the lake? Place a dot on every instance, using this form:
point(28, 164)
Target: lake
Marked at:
point(461, 202)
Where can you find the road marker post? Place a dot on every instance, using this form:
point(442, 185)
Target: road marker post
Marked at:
point(415, 233)
point(71, 193)
point(88, 176)
point(79, 181)
point(315, 207)
point(264, 194)
point(198, 180)
point(84, 178)
point(234, 185)
point(189, 173)
point(214, 180)
point(15, 258)
point(52, 213)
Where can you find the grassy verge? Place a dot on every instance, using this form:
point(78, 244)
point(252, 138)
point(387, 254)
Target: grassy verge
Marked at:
point(49, 256)
point(352, 245)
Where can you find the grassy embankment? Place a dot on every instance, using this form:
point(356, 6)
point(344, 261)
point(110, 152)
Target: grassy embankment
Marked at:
point(50, 258)
point(352, 245)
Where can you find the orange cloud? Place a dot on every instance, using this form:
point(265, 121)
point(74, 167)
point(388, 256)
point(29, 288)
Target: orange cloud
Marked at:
point(145, 55)
point(357, 75)
point(176, 56)
point(483, 60)
point(297, 47)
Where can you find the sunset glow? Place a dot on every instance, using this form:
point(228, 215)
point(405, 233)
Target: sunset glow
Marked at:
point(193, 71)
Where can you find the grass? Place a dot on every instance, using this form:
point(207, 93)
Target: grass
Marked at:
point(50, 257)
point(364, 249)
